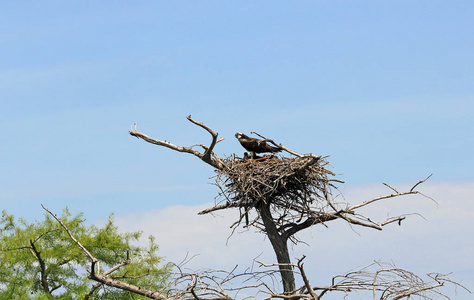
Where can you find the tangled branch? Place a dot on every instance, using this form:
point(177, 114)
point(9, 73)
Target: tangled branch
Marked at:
point(291, 194)
point(298, 189)
point(384, 281)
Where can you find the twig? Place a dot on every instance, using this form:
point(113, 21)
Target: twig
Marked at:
point(420, 182)
point(305, 279)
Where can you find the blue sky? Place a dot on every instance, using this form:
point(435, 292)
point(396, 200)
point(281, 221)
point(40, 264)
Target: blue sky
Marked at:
point(384, 88)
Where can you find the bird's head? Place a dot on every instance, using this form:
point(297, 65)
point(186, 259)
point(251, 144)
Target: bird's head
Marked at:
point(239, 135)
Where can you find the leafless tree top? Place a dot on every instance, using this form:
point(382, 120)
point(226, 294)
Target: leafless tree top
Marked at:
point(291, 194)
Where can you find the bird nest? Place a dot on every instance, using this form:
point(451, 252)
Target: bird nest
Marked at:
point(281, 181)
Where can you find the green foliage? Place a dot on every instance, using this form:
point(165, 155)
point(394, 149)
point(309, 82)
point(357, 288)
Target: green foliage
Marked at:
point(39, 260)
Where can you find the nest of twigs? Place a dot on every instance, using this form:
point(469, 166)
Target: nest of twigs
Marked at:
point(281, 181)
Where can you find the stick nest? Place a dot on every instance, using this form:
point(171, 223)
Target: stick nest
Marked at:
point(284, 182)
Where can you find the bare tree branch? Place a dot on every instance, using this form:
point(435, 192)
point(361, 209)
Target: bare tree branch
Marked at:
point(384, 281)
point(420, 182)
point(289, 195)
point(126, 286)
point(412, 191)
point(208, 156)
point(96, 286)
point(305, 279)
point(218, 207)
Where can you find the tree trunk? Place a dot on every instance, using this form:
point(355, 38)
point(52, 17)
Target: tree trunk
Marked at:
point(280, 247)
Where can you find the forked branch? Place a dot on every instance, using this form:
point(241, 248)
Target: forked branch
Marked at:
point(381, 280)
point(412, 191)
point(208, 156)
point(292, 194)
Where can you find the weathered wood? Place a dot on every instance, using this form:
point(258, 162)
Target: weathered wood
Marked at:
point(291, 194)
point(208, 156)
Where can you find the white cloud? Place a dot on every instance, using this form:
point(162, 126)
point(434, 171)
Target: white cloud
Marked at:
point(180, 231)
point(442, 242)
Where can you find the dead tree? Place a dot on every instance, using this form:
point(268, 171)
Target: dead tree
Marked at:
point(385, 281)
point(289, 194)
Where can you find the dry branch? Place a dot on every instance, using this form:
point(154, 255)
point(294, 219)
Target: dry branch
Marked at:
point(208, 156)
point(308, 287)
point(387, 281)
point(298, 189)
point(291, 194)
point(383, 280)
point(412, 191)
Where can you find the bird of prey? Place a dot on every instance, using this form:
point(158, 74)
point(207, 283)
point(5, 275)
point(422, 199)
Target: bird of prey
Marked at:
point(255, 145)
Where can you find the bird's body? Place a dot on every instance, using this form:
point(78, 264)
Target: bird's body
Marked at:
point(255, 145)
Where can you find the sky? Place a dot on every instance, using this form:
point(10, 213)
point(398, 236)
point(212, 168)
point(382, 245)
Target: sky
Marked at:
point(384, 88)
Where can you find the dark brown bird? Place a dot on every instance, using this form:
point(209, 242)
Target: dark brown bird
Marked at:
point(255, 145)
